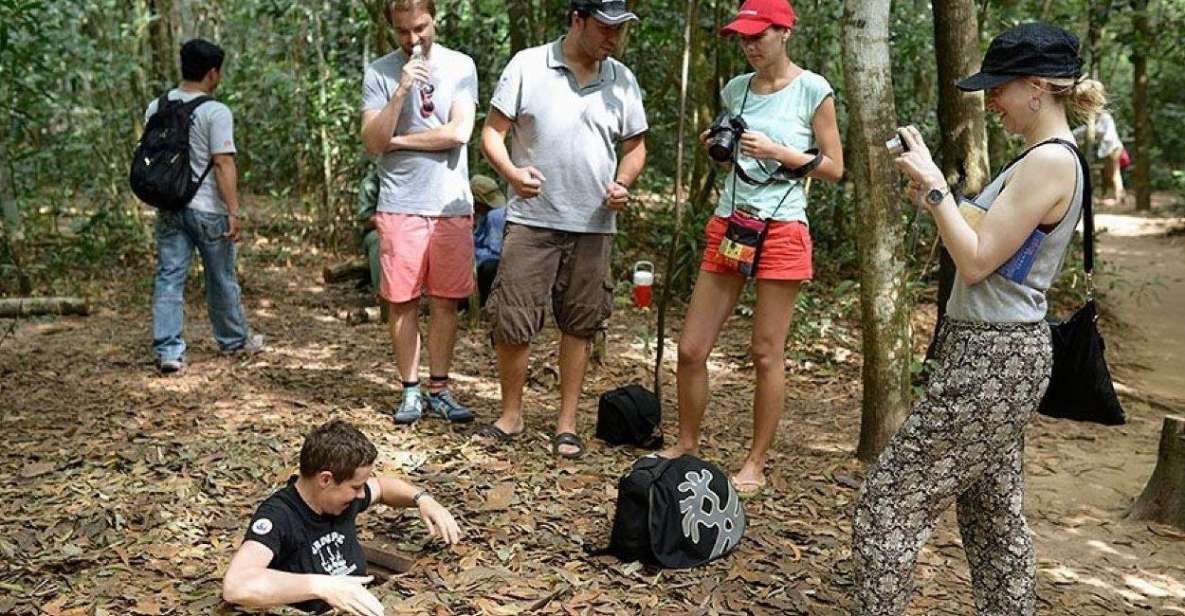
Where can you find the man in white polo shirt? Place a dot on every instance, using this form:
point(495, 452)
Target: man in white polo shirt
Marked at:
point(418, 107)
point(567, 106)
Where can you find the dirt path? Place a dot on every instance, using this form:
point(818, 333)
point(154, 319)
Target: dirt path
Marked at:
point(125, 493)
point(1146, 263)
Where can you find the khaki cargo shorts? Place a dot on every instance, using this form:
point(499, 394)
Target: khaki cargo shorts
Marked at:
point(570, 270)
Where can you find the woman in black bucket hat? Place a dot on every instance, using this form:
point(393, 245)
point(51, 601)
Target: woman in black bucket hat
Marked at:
point(963, 443)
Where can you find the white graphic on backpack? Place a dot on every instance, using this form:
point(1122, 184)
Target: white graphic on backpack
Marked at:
point(726, 520)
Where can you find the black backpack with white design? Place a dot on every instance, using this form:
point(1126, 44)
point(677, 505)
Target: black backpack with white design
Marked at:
point(677, 513)
point(161, 175)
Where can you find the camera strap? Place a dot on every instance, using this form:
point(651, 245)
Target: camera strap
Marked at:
point(781, 174)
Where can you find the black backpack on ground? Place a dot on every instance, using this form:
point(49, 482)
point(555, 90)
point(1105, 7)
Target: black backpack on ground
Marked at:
point(630, 415)
point(161, 175)
point(675, 513)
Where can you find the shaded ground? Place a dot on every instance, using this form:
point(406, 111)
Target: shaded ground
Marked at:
point(1145, 256)
point(125, 492)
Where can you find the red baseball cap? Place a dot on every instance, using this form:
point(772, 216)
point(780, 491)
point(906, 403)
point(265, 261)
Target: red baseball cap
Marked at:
point(755, 16)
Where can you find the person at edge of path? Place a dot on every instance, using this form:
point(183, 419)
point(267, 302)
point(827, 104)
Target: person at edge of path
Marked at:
point(301, 547)
point(209, 223)
point(566, 106)
point(490, 215)
point(963, 443)
point(788, 110)
point(1110, 150)
point(368, 235)
point(418, 112)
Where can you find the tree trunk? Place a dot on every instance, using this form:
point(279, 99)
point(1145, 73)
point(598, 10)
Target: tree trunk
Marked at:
point(329, 219)
point(380, 29)
point(960, 120)
point(12, 216)
point(520, 25)
point(14, 233)
point(164, 50)
point(884, 303)
point(1142, 148)
point(664, 300)
point(358, 269)
point(19, 307)
point(1163, 499)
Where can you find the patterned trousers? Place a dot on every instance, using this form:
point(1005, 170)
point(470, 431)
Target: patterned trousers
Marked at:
point(962, 444)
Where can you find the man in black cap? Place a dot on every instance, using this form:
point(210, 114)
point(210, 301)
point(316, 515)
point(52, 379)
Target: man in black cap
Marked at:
point(568, 107)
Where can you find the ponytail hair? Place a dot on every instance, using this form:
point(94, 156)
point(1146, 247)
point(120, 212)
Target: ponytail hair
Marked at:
point(1083, 98)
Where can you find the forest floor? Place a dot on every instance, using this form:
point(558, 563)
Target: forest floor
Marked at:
point(126, 493)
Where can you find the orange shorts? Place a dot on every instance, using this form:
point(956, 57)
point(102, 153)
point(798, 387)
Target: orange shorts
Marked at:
point(785, 255)
point(425, 255)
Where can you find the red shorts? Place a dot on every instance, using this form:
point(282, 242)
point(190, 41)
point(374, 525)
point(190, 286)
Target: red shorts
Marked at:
point(425, 254)
point(785, 255)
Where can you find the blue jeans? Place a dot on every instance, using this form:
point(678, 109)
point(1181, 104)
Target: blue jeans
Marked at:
point(177, 234)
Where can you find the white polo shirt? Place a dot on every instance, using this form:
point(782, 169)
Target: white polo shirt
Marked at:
point(570, 133)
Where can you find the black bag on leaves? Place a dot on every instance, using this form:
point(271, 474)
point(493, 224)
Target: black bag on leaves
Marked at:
point(161, 175)
point(1080, 386)
point(677, 513)
point(630, 415)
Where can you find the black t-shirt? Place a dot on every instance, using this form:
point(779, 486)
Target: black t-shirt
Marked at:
point(304, 541)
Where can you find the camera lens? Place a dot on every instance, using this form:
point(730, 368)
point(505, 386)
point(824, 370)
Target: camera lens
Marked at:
point(721, 145)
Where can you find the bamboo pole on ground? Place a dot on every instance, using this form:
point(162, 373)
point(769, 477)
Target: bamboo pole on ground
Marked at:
point(20, 307)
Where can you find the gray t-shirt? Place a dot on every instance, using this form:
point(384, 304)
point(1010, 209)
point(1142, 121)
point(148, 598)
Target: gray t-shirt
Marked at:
point(570, 133)
point(212, 132)
point(415, 182)
point(1001, 299)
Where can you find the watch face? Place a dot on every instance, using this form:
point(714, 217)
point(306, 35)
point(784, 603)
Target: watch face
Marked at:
point(934, 197)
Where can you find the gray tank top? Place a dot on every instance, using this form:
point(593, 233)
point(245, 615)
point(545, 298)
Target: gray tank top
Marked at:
point(997, 299)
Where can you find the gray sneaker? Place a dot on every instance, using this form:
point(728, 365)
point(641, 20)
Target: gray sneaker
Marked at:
point(444, 406)
point(410, 409)
point(170, 366)
point(253, 345)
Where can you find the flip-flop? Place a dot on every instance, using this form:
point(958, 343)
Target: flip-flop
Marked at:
point(494, 433)
point(570, 439)
point(748, 488)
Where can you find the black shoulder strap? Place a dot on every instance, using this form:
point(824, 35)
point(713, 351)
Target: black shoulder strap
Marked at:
point(189, 108)
point(197, 102)
point(1087, 216)
point(161, 103)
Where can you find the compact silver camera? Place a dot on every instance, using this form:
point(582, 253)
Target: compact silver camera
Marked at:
point(897, 145)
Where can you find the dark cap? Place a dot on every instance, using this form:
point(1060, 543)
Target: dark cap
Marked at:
point(1032, 49)
point(608, 12)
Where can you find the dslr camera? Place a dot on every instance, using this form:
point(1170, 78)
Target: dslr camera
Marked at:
point(723, 135)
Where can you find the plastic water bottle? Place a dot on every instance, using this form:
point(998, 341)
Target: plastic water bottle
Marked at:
point(427, 107)
point(643, 284)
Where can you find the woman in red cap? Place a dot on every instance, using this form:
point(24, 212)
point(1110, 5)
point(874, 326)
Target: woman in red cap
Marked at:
point(790, 133)
point(963, 444)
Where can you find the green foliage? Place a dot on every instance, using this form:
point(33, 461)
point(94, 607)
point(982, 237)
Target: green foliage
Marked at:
point(75, 78)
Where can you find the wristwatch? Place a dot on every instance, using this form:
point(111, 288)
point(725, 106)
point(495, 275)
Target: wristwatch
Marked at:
point(934, 196)
point(415, 500)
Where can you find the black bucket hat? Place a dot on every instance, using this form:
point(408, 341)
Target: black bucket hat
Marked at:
point(1032, 49)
